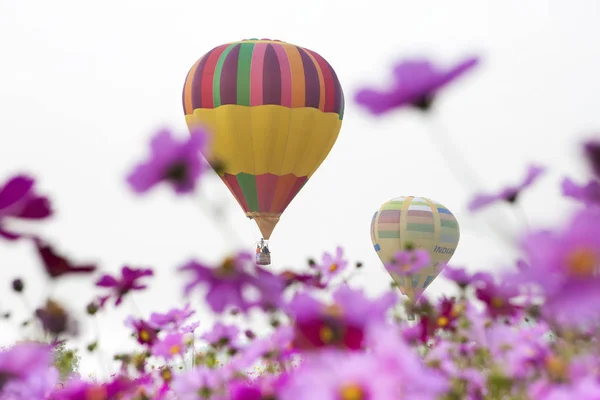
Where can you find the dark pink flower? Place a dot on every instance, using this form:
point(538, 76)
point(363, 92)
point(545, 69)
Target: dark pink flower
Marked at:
point(57, 265)
point(126, 283)
point(178, 163)
point(462, 278)
point(340, 324)
point(416, 82)
point(499, 299)
point(510, 193)
point(592, 153)
point(588, 194)
point(18, 200)
point(145, 333)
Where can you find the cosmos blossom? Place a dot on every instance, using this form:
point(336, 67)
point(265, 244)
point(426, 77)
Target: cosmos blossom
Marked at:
point(564, 264)
point(509, 194)
point(588, 194)
point(172, 319)
point(57, 265)
point(415, 83)
point(180, 163)
point(18, 200)
point(127, 282)
point(226, 283)
point(332, 265)
point(409, 262)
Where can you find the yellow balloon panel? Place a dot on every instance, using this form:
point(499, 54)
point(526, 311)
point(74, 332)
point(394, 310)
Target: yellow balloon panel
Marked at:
point(268, 139)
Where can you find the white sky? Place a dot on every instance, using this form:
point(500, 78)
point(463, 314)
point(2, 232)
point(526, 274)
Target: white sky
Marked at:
point(83, 86)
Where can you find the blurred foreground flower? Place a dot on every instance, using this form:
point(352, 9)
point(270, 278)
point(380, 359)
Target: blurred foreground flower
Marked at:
point(228, 281)
point(565, 264)
point(510, 193)
point(57, 265)
point(24, 360)
point(416, 83)
point(340, 324)
point(179, 163)
point(18, 200)
point(126, 283)
point(588, 194)
point(409, 262)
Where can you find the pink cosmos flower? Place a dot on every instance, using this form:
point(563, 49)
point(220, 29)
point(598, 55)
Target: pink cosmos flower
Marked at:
point(222, 335)
point(170, 346)
point(332, 265)
point(226, 283)
point(588, 194)
point(18, 200)
point(129, 281)
point(415, 84)
point(173, 319)
point(178, 163)
point(510, 193)
point(409, 262)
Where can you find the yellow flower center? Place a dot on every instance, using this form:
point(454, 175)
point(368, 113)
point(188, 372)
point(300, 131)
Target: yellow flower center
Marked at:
point(442, 321)
point(175, 349)
point(333, 267)
point(497, 302)
point(557, 369)
point(326, 334)
point(166, 375)
point(144, 335)
point(352, 391)
point(582, 262)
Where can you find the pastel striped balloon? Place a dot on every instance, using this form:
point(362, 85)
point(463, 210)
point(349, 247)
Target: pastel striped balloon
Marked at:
point(421, 222)
point(274, 111)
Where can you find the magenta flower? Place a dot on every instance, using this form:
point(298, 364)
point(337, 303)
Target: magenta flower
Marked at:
point(270, 289)
point(409, 262)
point(178, 163)
point(145, 333)
point(341, 324)
point(564, 264)
point(24, 360)
point(588, 194)
point(57, 265)
point(169, 347)
point(190, 328)
point(173, 319)
point(499, 299)
point(332, 265)
point(222, 335)
point(18, 200)
point(126, 283)
point(225, 283)
point(510, 193)
point(592, 153)
point(416, 82)
point(35, 386)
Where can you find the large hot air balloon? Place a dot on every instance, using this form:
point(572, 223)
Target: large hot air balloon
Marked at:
point(421, 223)
point(274, 111)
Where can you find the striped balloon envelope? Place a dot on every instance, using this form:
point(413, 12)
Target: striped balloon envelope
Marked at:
point(274, 111)
point(421, 223)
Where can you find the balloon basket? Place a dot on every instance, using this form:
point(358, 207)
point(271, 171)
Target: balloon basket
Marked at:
point(263, 254)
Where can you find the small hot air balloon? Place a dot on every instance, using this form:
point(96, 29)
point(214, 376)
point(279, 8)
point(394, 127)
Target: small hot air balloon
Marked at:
point(420, 223)
point(274, 111)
